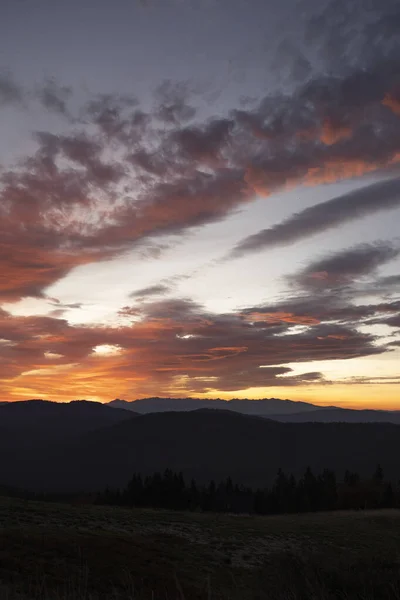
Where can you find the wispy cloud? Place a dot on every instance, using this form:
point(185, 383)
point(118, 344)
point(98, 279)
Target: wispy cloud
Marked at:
point(54, 97)
point(11, 93)
point(152, 290)
point(345, 267)
point(321, 217)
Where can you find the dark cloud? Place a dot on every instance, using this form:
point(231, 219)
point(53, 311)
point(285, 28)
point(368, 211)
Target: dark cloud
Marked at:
point(153, 163)
point(393, 321)
point(173, 207)
point(204, 145)
point(370, 380)
point(56, 302)
point(51, 95)
point(11, 93)
point(177, 309)
point(331, 293)
point(172, 106)
point(37, 263)
point(319, 134)
point(389, 281)
point(380, 196)
point(352, 33)
point(153, 290)
point(125, 177)
point(343, 268)
point(55, 97)
point(308, 311)
point(87, 153)
point(112, 114)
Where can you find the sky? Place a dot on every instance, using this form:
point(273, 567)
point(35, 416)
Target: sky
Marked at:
point(200, 198)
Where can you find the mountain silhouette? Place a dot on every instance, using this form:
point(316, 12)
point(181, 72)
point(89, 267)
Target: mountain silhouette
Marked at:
point(280, 410)
point(35, 423)
point(265, 407)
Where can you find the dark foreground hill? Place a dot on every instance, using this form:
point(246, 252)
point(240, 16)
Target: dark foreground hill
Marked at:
point(25, 427)
point(56, 419)
point(203, 444)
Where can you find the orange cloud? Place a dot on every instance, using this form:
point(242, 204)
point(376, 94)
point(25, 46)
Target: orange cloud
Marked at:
point(282, 317)
point(330, 134)
point(329, 171)
point(332, 337)
point(188, 352)
point(333, 171)
point(26, 270)
point(225, 352)
point(392, 102)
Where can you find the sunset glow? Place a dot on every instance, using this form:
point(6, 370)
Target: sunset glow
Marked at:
point(171, 228)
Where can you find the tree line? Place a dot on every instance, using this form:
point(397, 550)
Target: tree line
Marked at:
point(309, 493)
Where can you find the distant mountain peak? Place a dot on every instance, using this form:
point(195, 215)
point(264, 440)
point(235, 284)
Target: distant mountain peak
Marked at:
point(264, 407)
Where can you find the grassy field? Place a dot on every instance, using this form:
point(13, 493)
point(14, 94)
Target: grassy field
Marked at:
point(50, 551)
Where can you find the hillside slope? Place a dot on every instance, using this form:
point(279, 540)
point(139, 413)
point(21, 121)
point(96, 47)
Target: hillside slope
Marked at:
point(30, 424)
point(203, 444)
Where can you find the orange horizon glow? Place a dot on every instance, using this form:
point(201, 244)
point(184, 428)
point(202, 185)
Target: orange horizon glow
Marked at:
point(76, 386)
point(186, 349)
point(340, 398)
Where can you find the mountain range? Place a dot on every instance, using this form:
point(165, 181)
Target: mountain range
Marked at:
point(273, 408)
point(84, 446)
point(263, 407)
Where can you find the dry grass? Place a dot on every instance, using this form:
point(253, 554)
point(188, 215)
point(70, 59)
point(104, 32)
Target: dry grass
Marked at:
point(60, 552)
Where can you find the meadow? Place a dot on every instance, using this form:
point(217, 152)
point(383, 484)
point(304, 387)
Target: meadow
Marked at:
point(54, 551)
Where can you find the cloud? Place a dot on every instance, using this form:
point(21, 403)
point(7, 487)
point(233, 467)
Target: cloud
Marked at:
point(275, 317)
point(152, 290)
point(82, 151)
point(370, 199)
point(308, 311)
point(334, 291)
point(204, 145)
point(10, 92)
point(29, 269)
point(344, 267)
point(172, 105)
point(169, 346)
point(125, 177)
point(54, 97)
point(112, 114)
point(172, 344)
point(393, 321)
